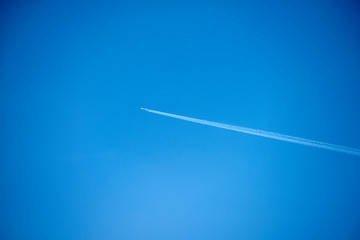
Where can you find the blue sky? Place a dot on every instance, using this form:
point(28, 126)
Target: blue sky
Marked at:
point(79, 160)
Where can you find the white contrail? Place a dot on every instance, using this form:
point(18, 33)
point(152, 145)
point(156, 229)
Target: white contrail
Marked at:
point(267, 134)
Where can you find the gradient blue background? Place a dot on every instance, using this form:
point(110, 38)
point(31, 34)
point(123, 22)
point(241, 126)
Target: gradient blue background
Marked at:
point(79, 160)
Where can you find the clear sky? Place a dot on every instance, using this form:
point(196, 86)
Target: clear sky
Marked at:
point(80, 160)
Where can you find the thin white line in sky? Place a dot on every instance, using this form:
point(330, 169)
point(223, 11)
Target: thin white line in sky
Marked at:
point(277, 136)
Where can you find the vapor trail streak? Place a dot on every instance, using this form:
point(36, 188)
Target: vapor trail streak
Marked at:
point(266, 134)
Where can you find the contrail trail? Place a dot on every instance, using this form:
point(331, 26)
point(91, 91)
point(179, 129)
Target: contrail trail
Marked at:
point(266, 134)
